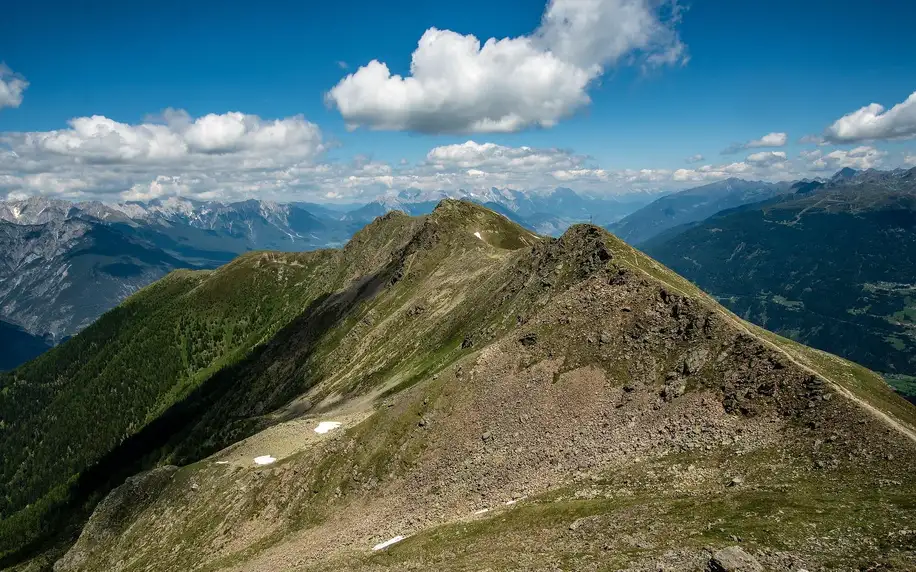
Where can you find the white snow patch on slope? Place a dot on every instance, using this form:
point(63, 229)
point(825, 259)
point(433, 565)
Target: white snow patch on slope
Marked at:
point(388, 543)
point(264, 460)
point(326, 426)
point(477, 234)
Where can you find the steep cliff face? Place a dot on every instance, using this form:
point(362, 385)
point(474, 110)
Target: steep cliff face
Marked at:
point(462, 394)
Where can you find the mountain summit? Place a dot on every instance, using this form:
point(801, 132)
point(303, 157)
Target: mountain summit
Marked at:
point(448, 392)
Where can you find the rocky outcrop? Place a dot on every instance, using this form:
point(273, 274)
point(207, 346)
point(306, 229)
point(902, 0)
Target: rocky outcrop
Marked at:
point(114, 514)
point(733, 559)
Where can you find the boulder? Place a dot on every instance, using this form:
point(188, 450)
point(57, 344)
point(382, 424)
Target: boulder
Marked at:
point(733, 559)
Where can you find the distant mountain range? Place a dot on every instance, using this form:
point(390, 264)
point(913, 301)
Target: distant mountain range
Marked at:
point(827, 262)
point(830, 263)
point(546, 212)
point(63, 264)
point(692, 205)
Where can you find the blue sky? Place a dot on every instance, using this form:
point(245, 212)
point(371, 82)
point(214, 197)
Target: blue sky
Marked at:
point(747, 69)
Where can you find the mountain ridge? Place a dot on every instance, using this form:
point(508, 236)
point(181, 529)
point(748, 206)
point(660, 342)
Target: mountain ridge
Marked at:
point(106, 251)
point(472, 364)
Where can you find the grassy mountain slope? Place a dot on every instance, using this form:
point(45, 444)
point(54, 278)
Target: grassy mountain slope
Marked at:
point(157, 350)
point(472, 364)
point(833, 269)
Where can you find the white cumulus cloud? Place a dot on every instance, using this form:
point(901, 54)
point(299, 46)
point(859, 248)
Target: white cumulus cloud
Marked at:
point(581, 175)
point(458, 84)
point(480, 165)
point(500, 158)
point(776, 139)
point(236, 156)
point(162, 186)
point(909, 159)
point(231, 155)
point(12, 85)
point(864, 157)
point(766, 158)
point(100, 139)
point(770, 140)
point(712, 172)
point(873, 122)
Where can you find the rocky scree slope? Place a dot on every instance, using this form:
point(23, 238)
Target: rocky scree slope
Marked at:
point(510, 402)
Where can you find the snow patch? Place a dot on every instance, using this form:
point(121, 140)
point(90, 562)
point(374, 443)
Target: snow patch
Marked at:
point(326, 426)
point(387, 543)
point(513, 501)
point(264, 460)
point(477, 234)
point(481, 511)
point(227, 462)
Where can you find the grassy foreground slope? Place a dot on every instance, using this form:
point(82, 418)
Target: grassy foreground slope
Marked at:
point(506, 402)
